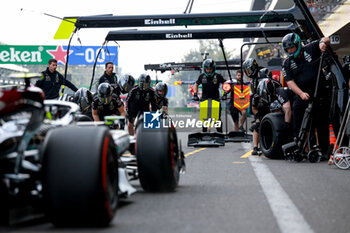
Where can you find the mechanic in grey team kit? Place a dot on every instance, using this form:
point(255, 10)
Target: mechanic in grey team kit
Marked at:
point(210, 81)
point(51, 81)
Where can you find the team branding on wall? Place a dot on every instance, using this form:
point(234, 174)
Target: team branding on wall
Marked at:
point(39, 55)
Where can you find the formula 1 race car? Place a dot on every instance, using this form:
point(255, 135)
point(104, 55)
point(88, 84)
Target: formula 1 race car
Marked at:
point(72, 171)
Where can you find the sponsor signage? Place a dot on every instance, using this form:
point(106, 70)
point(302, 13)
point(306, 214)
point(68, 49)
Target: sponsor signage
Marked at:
point(178, 35)
point(159, 21)
point(264, 52)
point(39, 55)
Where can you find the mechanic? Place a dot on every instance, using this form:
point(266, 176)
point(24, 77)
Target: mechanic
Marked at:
point(278, 97)
point(255, 73)
point(210, 81)
point(108, 76)
point(106, 103)
point(233, 110)
point(84, 98)
point(346, 68)
point(140, 99)
point(300, 70)
point(260, 102)
point(51, 81)
point(161, 90)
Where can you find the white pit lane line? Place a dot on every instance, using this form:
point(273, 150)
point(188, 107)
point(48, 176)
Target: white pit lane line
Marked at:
point(287, 215)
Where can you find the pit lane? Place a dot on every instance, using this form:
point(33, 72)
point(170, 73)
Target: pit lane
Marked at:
point(221, 193)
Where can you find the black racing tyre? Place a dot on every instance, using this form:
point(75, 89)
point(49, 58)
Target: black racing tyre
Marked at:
point(272, 135)
point(80, 176)
point(158, 154)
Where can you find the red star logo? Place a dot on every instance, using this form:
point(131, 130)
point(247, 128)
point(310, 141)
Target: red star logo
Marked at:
point(59, 54)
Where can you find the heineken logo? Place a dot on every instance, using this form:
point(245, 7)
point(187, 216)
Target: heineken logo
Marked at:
point(17, 56)
point(39, 55)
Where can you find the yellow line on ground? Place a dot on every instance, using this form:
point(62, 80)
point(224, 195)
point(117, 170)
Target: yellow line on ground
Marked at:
point(246, 155)
point(238, 162)
point(195, 151)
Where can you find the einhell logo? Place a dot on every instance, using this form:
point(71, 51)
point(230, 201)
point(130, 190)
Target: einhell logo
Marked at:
point(178, 35)
point(159, 21)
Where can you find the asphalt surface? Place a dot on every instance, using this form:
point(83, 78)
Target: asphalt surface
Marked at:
point(226, 189)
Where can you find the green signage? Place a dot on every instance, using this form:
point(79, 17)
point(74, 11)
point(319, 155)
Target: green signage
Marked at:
point(25, 54)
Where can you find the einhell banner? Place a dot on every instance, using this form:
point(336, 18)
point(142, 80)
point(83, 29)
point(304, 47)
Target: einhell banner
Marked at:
point(39, 55)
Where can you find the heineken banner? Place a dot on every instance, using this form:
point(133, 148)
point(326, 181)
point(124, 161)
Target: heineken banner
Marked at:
point(39, 55)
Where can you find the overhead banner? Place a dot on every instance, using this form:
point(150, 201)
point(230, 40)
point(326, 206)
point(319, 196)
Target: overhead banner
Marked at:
point(39, 55)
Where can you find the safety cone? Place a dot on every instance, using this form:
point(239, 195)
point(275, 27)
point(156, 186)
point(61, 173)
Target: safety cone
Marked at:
point(332, 138)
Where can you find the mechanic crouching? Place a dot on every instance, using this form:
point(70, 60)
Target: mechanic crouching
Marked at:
point(106, 103)
point(84, 98)
point(260, 107)
point(140, 99)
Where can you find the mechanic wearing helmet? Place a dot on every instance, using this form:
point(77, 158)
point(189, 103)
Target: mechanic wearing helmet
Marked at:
point(161, 91)
point(51, 81)
point(210, 81)
point(125, 84)
point(259, 109)
point(84, 98)
point(108, 76)
point(260, 102)
point(300, 70)
point(106, 103)
point(140, 99)
point(233, 110)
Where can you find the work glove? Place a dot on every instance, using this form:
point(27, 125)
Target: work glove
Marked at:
point(224, 96)
point(195, 97)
